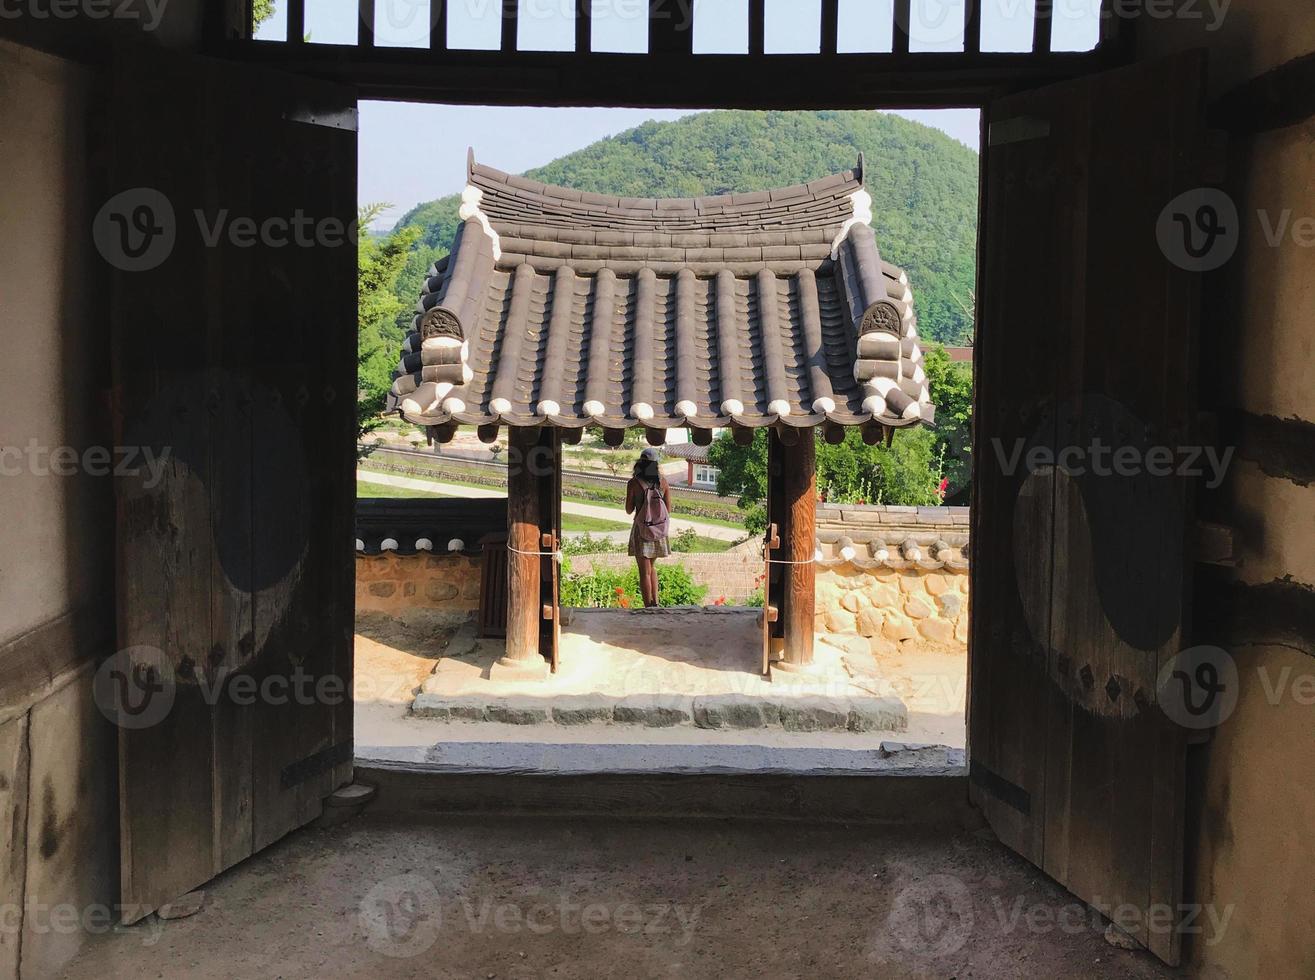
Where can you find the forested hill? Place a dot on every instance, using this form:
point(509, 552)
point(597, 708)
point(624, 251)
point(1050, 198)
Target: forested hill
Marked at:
point(923, 186)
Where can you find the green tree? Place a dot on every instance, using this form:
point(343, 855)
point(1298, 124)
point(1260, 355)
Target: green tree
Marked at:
point(951, 387)
point(378, 336)
point(742, 471)
point(907, 472)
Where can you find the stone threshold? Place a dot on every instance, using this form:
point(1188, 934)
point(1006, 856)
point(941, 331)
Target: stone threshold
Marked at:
point(507, 758)
point(807, 713)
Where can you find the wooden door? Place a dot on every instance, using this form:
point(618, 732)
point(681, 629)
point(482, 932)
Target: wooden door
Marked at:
point(229, 234)
point(1080, 575)
point(774, 591)
point(549, 462)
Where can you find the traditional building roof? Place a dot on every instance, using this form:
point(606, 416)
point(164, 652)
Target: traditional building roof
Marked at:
point(569, 308)
point(688, 451)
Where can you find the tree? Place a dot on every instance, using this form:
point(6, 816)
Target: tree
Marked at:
point(951, 387)
point(907, 472)
point(742, 471)
point(261, 11)
point(378, 337)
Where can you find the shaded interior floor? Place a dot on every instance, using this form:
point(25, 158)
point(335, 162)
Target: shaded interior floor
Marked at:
point(520, 898)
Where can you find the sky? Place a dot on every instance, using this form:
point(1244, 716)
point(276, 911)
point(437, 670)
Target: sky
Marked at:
point(411, 152)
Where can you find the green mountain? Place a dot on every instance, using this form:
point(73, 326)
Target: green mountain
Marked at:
point(923, 186)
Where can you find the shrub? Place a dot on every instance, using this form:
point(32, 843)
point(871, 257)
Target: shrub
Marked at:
point(608, 589)
point(587, 544)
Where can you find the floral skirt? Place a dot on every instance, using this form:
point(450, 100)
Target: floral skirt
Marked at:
point(640, 548)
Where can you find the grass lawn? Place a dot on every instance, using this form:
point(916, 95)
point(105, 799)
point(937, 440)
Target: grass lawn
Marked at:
point(574, 522)
point(704, 545)
point(381, 490)
point(378, 490)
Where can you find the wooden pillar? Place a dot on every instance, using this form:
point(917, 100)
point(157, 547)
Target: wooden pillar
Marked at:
point(799, 530)
point(523, 569)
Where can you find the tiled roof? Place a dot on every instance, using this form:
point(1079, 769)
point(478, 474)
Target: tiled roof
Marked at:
point(573, 308)
point(688, 451)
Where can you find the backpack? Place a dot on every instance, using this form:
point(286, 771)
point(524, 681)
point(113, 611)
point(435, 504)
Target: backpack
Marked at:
point(652, 517)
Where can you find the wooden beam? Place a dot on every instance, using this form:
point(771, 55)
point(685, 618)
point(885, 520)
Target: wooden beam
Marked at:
point(655, 437)
point(903, 21)
point(488, 434)
point(572, 436)
point(437, 25)
point(296, 21)
point(614, 438)
point(799, 464)
point(701, 437)
point(670, 27)
point(742, 434)
point(831, 25)
point(365, 23)
point(510, 21)
point(1042, 27)
point(757, 27)
point(667, 80)
point(972, 26)
point(584, 41)
point(833, 433)
point(523, 577)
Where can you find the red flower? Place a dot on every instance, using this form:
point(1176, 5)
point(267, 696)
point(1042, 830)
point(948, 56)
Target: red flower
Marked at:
point(945, 485)
point(625, 603)
point(620, 591)
point(719, 601)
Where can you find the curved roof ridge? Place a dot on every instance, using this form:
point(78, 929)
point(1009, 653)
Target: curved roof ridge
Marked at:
point(824, 202)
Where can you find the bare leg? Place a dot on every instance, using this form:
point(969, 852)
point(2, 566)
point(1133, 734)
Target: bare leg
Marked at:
point(653, 581)
point(645, 570)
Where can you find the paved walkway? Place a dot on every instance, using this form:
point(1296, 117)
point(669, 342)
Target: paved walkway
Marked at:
point(678, 524)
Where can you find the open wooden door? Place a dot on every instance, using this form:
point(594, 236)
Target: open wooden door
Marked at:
point(549, 458)
point(1080, 570)
point(774, 591)
point(229, 228)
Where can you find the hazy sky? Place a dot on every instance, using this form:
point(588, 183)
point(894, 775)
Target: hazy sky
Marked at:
point(411, 152)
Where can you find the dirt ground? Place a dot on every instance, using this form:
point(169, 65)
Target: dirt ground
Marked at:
point(519, 899)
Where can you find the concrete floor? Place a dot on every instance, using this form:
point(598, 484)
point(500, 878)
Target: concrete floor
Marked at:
point(519, 898)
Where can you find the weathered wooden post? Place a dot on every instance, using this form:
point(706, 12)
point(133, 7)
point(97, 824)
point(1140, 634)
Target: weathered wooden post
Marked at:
point(798, 463)
point(523, 562)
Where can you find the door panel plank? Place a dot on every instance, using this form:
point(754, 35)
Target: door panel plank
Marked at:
point(1087, 326)
point(235, 357)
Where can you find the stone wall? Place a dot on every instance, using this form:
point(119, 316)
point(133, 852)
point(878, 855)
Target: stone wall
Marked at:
point(895, 608)
point(391, 583)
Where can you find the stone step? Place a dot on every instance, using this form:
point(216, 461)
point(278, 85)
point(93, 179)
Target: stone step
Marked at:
point(807, 713)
